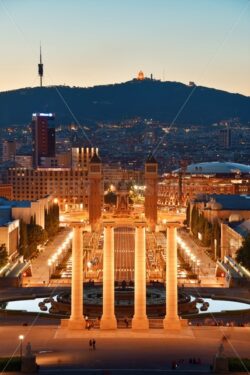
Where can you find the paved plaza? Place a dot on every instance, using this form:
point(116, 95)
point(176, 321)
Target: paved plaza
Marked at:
point(124, 349)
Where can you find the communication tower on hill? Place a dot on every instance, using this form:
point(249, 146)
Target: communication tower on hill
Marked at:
point(40, 68)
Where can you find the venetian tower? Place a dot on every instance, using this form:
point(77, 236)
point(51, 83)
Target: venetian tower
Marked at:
point(151, 177)
point(95, 192)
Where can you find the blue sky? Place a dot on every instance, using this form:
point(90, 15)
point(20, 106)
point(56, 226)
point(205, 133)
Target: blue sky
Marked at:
point(91, 42)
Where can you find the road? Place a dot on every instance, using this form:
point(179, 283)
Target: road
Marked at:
point(207, 265)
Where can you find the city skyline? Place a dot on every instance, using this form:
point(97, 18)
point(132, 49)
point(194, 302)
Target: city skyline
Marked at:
point(90, 43)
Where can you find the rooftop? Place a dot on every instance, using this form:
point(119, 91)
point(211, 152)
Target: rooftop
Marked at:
point(243, 228)
point(6, 203)
point(226, 202)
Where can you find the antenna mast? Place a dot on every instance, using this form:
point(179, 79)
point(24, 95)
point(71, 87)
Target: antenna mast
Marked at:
point(40, 68)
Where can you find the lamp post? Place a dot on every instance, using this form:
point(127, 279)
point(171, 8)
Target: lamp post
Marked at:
point(49, 264)
point(21, 337)
point(193, 257)
point(198, 262)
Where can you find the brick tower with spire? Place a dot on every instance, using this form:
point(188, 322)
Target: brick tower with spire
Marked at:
point(95, 192)
point(151, 179)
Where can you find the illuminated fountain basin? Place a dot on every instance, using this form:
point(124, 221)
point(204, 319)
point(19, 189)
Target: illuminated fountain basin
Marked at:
point(60, 304)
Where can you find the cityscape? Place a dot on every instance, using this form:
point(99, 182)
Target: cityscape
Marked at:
point(125, 199)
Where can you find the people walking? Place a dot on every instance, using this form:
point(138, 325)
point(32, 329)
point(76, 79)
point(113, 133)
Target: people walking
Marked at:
point(93, 342)
point(90, 344)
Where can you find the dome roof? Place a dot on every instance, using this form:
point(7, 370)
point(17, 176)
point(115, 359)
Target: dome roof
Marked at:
point(216, 167)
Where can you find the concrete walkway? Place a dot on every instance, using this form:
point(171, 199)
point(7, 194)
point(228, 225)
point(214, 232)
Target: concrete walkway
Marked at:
point(40, 268)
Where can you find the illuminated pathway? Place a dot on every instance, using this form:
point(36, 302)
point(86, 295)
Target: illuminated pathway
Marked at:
point(124, 254)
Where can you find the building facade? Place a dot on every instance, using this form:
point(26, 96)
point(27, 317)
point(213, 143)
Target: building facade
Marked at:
point(69, 185)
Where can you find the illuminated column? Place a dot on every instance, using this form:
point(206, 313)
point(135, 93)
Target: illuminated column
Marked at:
point(140, 320)
point(172, 320)
point(108, 320)
point(76, 320)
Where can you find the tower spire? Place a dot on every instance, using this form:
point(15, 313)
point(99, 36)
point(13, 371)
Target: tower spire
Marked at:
point(40, 67)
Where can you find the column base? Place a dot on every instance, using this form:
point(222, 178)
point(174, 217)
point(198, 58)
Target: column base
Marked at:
point(172, 323)
point(108, 323)
point(73, 324)
point(140, 323)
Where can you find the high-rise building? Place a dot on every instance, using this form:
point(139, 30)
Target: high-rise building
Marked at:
point(225, 138)
point(43, 137)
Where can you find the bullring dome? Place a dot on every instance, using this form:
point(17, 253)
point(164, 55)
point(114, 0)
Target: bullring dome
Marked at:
point(216, 167)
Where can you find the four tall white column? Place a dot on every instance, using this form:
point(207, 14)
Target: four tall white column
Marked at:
point(76, 320)
point(172, 320)
point(108, 320)
point(140, 320)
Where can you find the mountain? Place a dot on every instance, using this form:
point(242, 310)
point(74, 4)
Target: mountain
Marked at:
point(146, 99)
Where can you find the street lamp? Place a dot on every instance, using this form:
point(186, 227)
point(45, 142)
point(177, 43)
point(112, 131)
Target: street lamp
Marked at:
point(198, 262)
point(49, 264)
point(21, 337)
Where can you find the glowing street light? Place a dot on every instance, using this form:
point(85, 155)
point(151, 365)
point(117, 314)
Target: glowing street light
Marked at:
point(21, 337)
point(49, 264)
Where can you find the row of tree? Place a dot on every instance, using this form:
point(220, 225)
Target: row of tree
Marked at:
point(52, 220)
point(210, 233)
point(3, 255)
point(243, 253)
point(32, 235)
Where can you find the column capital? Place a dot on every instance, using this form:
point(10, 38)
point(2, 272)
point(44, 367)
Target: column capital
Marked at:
point(108, 224)
point(173, 224)
point(76, 224)
point(140, 224)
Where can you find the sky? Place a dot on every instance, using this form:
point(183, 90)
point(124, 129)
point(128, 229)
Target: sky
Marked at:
point(92, 42)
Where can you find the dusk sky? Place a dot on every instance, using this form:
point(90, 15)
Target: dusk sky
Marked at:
point(92, 42)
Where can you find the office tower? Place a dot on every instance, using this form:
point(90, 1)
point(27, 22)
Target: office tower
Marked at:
point(43, 137)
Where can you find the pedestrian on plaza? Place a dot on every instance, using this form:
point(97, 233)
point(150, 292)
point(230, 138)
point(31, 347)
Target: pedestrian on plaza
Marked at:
point(90, 344)
point(93, 344)
point(174, 365)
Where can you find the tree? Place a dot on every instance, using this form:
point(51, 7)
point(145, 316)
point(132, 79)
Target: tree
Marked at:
point(216, 234)
point(188, 215)
point(23, 247)
point(3, 255)
point(36, 236)
point(243, 253)
point(110, 198)
point(207, 233)
point(52, 220)
point(195, 221)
